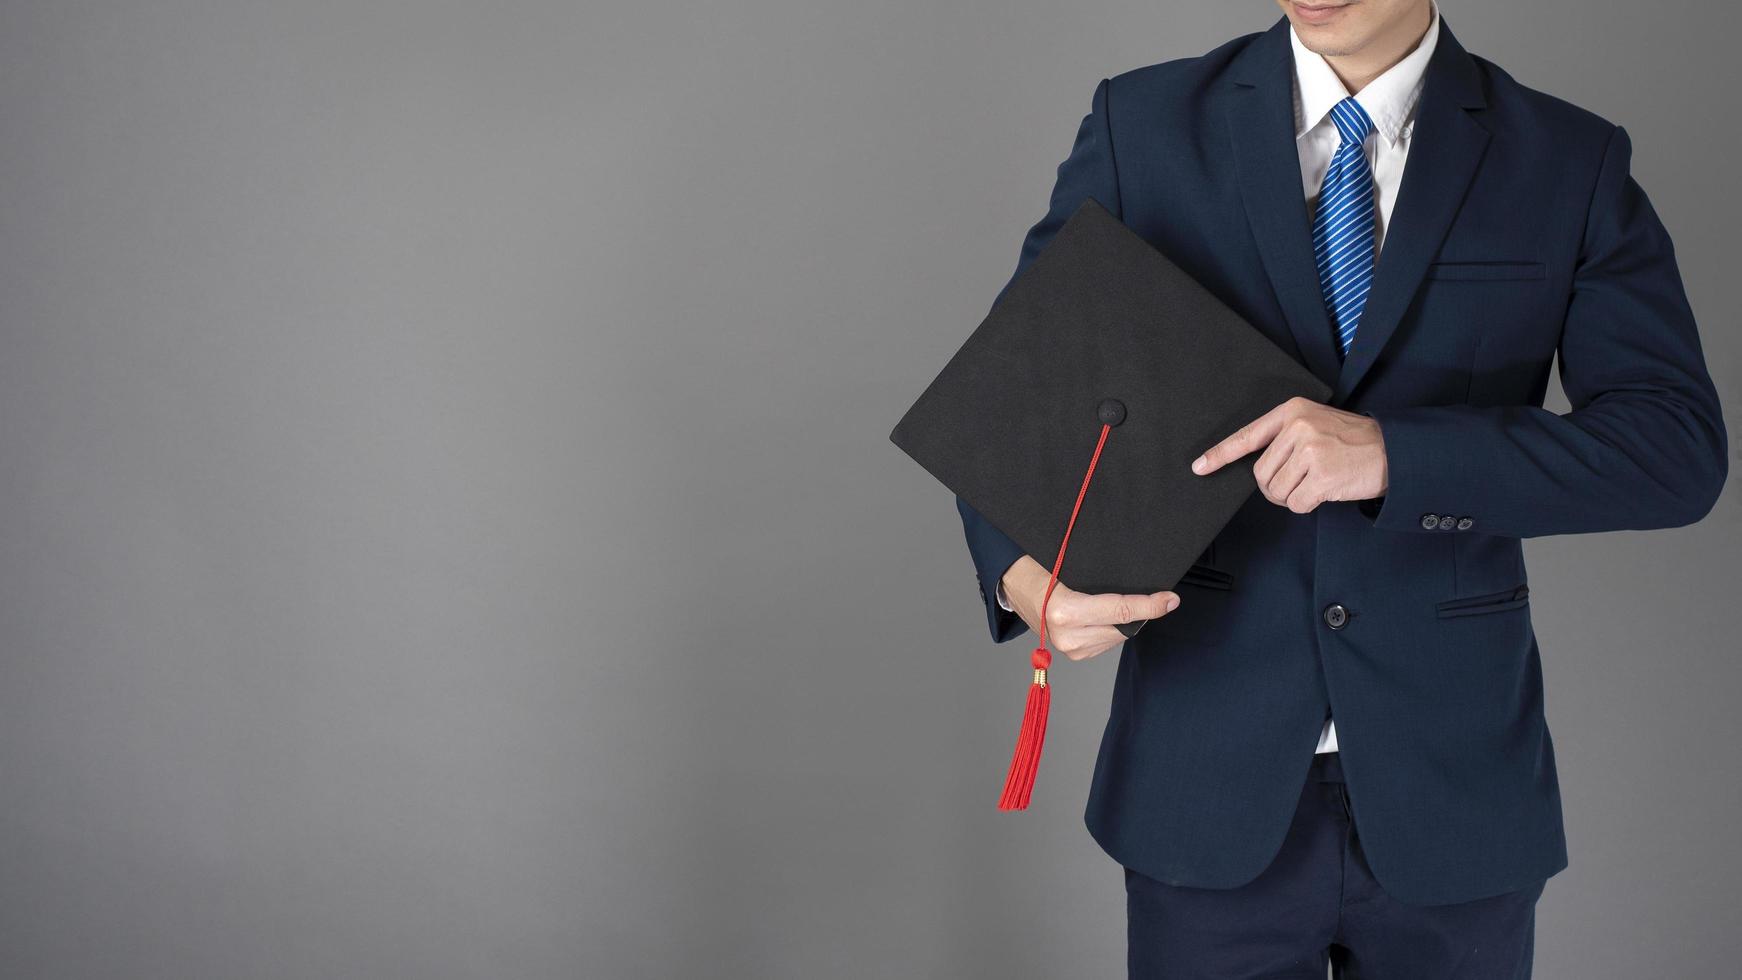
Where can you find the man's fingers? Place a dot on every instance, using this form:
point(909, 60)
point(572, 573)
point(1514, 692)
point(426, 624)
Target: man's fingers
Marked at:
point(1254, 435)
point(1284, 478)
point(1109, 609)
point(1088, 625)
point(1272, 458)
point(1303, 499)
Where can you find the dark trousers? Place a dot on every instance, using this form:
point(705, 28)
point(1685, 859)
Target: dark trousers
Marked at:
point(1317, 905)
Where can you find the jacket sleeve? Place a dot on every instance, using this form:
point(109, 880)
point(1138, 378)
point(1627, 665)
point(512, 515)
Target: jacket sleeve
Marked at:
point(1088, 172)
point(1644, 445)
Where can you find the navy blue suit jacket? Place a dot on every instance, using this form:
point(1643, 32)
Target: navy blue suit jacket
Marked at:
point(1517, 233)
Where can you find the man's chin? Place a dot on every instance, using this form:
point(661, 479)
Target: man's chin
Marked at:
point(1324, 43)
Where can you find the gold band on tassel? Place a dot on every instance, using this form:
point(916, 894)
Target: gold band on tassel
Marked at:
point(1040, 676)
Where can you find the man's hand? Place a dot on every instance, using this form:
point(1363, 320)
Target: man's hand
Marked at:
point(1078, 625)
point(1312, 453)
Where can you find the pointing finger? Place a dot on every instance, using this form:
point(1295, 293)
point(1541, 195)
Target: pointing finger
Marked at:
point(1252, 436)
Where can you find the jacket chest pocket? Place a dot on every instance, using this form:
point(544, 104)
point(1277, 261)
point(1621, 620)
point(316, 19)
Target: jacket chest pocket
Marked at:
point(1491, 602)
point(1486, 271)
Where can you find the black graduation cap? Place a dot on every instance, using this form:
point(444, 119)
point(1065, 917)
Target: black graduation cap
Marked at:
point(1073, 412)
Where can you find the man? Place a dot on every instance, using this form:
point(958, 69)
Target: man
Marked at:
point(1331, 746)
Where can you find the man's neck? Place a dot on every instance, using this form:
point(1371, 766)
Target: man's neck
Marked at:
point(1358, 68)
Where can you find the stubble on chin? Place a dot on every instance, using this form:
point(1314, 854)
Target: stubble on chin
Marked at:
point(1325, 47)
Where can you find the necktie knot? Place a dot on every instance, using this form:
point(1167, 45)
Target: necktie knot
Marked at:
point(1351, 120)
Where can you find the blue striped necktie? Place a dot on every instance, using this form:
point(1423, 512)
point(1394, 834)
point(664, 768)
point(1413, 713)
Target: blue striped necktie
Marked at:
point(1343, 225)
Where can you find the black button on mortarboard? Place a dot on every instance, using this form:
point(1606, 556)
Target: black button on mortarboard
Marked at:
point(1111, 411)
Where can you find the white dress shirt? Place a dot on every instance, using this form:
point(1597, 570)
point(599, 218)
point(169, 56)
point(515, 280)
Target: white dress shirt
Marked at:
point(1390, 102)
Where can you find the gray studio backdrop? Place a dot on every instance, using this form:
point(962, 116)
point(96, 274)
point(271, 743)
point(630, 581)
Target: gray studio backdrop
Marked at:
point(447, 527)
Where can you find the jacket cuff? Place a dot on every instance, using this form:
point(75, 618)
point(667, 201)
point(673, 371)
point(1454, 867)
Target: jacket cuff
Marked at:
point(1424, 476)
point(993, 554)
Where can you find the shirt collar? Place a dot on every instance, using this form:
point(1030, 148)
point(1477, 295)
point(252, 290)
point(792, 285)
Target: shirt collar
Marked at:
point(1388, 99)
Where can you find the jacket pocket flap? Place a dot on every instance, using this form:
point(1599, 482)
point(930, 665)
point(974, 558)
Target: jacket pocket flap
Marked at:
point(1486, 270)
point(1490, 602)
point(1205, 577)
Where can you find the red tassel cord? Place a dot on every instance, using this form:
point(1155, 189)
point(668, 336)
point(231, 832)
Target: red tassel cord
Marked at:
point(1029, 741)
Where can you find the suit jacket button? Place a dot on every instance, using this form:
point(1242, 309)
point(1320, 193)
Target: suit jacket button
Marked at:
point(1448, 522)
point(1465, 523)
point(1430, 521)
point(1336, 615)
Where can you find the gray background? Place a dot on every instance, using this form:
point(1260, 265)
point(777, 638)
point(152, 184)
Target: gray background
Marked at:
point(447, 527)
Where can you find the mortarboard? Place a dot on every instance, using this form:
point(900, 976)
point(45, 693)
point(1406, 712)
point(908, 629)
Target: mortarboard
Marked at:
point(1102, 362)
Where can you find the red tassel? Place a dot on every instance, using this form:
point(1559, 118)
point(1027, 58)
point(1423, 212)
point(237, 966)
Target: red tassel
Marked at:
point(1019, 783)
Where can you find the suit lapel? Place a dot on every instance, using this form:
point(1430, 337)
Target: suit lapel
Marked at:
point(1446, 147)
point(1448, 144)
point(1261, 124)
